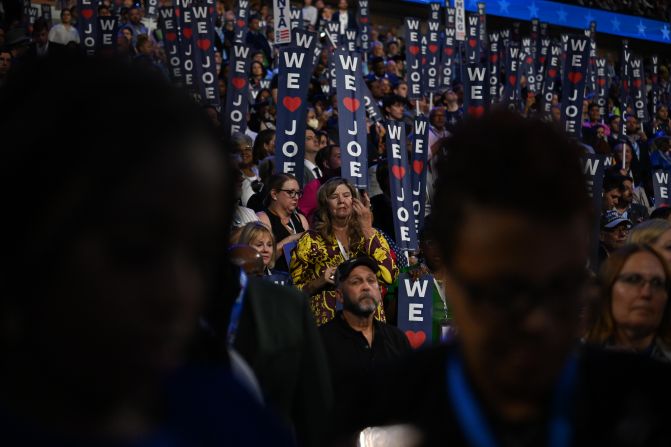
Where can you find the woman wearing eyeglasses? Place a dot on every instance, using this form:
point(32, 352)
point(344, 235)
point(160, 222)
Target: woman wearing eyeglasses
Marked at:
point(633, 312)
point(281, 216)
point(343, 229)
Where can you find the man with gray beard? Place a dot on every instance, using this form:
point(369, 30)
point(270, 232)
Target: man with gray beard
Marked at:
point(354, 341)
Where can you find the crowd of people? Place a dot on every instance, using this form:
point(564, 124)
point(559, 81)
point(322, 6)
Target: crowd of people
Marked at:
point(165, 285)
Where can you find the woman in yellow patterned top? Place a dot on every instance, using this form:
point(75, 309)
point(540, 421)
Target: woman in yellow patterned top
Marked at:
point(343, 229)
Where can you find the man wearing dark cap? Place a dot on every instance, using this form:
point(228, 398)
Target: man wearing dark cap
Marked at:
point(614, 231)
point(354, 341)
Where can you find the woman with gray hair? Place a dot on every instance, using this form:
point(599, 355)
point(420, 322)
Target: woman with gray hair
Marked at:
point(251, 182)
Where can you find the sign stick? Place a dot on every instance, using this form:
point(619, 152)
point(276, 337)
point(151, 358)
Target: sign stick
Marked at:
point(430, 100)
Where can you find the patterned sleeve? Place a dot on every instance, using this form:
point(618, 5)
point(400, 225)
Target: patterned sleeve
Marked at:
point(302, 267)
point(379, 249)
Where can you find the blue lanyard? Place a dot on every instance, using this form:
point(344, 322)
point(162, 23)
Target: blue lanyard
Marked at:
point(237, 310)
point(474, 425)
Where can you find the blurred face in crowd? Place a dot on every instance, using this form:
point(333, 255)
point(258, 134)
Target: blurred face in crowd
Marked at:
point(640, 295)
point(515, 284)
point(5, 63)
point(615, 125)
point(134, 16)
point(263, 244)
point(342, 5)
point(359, 292)
point(401, 90)
point(663, 113)
point(257, 70)
point(127, 34)
point(438, 118)
point(556, 114)
point(611, 198)
point(270, 146)
point(378, 51)
point(333, 162)
point(104, 12)
point(614, 238)
point(323, 141)
point(391, 67)
point(628, 154)
point(632, 125)
point(378, 68)
point(395, 111)
point(254, 24)
point(393, 49)
point(147, 47)
point(66, 17)
point(246, 157)
point(311, 143)
point(594, 114)
point(376, 89)
point(385, 86)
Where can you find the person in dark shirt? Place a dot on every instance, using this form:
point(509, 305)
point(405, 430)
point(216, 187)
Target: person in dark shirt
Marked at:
point(354, 341)
point(514, 271)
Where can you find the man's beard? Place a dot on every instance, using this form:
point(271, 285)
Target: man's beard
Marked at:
point(357, 307)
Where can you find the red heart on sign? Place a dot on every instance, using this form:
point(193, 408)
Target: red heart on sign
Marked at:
point(188, 32)
point(625, 84)
point(601, 82)
point(418, 166)
point(291, 103)
point(87, 13)
point(493, 58)
point(416, 339)
point(512, 80)
point(423, 61)
point(636, 83)
point(398, 171)
point(363, 19)
point(239, 83)
point(528, 60)
point(241, 23)
point(449, 51)
point(574, 77)
point(351, 104)
point(552, 73)
point(542, 60)
point(472, 43)
point(170, 36)
point(204, 44)
point(433, 48)
point(476, 111)
point(211, 10)
point(414, 49)
point(178, 12)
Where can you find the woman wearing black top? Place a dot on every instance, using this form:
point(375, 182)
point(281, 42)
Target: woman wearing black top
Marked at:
point(281, 215)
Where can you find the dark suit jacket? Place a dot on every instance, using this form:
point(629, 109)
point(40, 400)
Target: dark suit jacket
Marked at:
point(280, 341)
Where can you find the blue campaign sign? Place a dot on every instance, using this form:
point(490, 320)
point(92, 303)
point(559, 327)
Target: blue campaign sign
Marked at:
point(415, 309)
point(579, 17)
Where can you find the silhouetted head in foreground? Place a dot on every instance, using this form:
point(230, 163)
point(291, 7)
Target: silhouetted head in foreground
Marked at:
point(115, 202)
point(513, 210)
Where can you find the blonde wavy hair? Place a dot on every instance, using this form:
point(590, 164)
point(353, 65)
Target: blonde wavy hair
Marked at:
point(252, 231)
point(648, 232)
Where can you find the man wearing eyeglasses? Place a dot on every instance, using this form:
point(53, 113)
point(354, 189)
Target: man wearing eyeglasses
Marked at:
point(614, 232)
point(514, 272)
